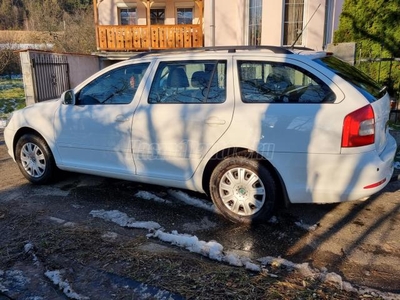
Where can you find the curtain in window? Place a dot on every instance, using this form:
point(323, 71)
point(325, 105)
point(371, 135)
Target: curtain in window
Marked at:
point(255, 20)
point(294, 16)
point(127, 16)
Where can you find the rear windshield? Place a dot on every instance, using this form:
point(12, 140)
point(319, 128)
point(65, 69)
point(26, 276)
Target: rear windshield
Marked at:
point(366, 85)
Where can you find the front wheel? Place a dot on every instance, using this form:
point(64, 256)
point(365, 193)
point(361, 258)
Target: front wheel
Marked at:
point(34, 159)
point(243, 190)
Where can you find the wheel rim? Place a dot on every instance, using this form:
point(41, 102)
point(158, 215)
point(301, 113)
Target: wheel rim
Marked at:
point(242, 191)
point(33, 160)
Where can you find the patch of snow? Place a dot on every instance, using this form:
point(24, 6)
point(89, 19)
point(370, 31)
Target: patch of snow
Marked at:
point(14, 279)
point(211, 249)
point(233, 259)
point(252, 267)
point(144, 225)
point(181, 196)
point(123, 220)
point(29, 249)
point(3, 123)
point(109, 235)
point(57, 220)
point(77, 206)
point(306, 226)
point(69, 224)
point(56, 277)
point(332, 278)
point(279, 262)
point(150, 196)
point(115, 216)
point(147, 292)
point(273, 220)
point(325, 276)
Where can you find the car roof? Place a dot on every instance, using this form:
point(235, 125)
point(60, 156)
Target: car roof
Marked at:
point(236, 49)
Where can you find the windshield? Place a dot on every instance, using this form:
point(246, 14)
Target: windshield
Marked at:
point(366, 85)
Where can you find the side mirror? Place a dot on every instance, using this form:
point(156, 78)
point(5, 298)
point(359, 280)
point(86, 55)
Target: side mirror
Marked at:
point(68, 97)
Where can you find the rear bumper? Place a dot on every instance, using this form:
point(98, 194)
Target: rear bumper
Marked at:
point(330, 178)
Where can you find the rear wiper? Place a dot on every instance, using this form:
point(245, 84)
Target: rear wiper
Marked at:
point(383, 90)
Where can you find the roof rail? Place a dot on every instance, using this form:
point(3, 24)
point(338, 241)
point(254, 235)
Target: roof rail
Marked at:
point(230, 49)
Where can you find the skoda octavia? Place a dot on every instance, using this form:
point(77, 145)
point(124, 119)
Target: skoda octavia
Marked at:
point(250, 127)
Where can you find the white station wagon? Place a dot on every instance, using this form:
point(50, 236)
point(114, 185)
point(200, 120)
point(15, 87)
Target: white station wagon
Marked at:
point(250, 126)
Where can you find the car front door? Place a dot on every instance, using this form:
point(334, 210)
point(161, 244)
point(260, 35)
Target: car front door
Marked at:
point(95, 133)
point(182, 114)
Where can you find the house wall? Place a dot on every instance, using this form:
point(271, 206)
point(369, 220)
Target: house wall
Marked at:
point(230, 25)
point(108, 10)
point(225, 21)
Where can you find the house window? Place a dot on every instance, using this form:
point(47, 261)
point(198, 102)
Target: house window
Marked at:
point(157, 16)
point(255, 17)
point(294, 16)
point(127, 16)
point(184, 15)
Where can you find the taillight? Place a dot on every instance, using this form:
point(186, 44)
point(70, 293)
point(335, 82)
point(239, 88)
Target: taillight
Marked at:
point(359, 128)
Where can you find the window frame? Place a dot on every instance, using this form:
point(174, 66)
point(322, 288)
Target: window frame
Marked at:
point(157, 9)
point(286, 22)
point(254, 30)
point(184, 8)
point(120, 9)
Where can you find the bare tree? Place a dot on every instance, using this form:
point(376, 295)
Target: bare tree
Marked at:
point(9, 59)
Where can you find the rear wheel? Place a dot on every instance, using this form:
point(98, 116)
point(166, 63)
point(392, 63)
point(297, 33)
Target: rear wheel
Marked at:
point(243, 190)
point(35, 159)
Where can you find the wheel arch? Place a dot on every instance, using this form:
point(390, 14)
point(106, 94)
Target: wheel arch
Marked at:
point(282, 195)
point(26, 130)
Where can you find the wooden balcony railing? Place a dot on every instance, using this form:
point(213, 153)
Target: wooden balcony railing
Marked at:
point(138, 37)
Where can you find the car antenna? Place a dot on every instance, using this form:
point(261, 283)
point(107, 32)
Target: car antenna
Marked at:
point(301, 32)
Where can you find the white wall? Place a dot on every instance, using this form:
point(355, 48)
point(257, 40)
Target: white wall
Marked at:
point(231, 23)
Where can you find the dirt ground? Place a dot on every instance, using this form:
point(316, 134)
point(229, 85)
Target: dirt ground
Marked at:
point(49, 230)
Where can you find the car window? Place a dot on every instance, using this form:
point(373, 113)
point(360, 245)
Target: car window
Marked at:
point(117, 86)
point(189, 82)
point(270, 82)
point(366, 85)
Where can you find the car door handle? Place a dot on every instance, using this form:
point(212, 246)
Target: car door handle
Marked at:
point(215, 121)
point(121, 118)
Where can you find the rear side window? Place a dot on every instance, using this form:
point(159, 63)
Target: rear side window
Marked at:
point(189, 82)
point(271, 82)
point(366, 85)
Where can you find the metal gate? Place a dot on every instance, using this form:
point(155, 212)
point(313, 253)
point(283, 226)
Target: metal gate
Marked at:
point(51, 75)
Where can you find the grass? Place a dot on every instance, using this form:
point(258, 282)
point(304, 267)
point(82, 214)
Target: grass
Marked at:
point(12, 96)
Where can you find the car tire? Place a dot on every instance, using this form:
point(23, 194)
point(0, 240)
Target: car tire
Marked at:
point(243, 190)
point(35, 159)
